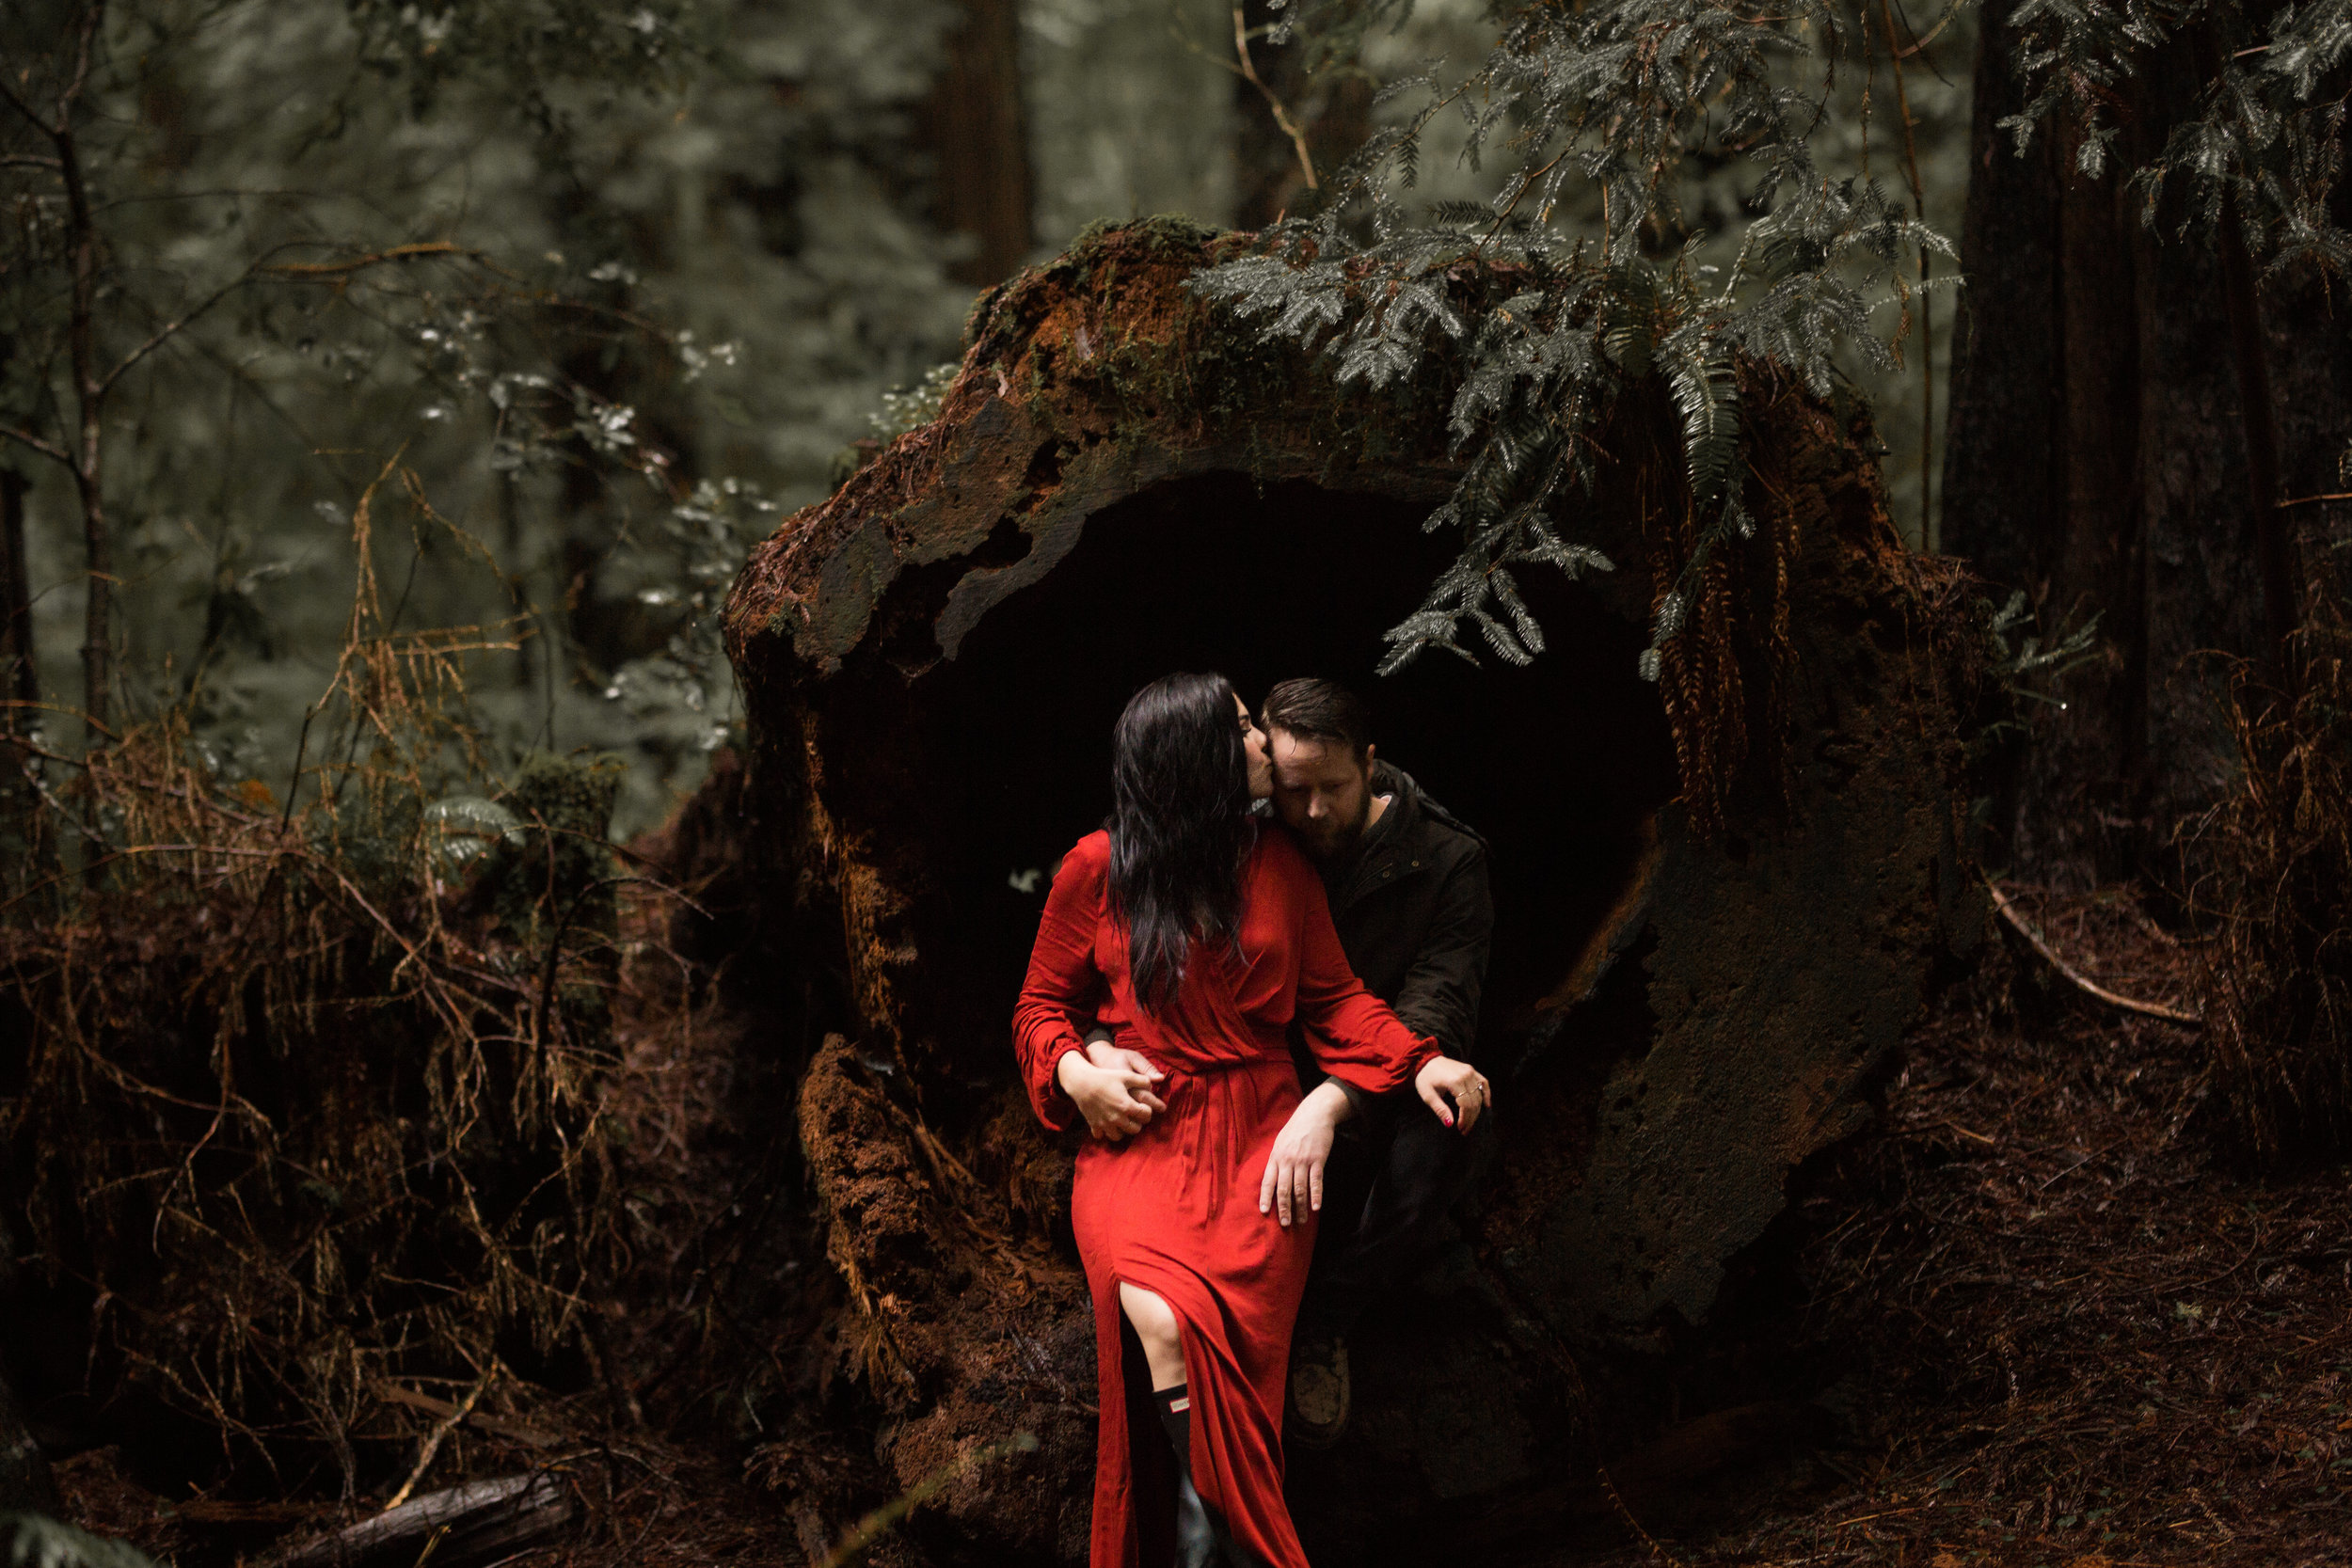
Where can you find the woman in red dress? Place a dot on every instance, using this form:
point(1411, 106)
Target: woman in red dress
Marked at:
point(1196, 936)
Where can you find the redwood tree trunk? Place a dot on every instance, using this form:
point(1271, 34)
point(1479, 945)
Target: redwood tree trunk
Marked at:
point(2099, 457)
point(16, 603)
point(973, 127)
point(1683, 1018)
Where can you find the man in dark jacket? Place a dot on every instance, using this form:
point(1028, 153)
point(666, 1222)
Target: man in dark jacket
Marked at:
point(1407, 887)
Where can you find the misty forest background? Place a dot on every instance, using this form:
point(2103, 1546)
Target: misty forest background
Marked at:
point(662, 269)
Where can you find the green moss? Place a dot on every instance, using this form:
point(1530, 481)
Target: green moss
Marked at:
point(1164, 236)
point(559, 873)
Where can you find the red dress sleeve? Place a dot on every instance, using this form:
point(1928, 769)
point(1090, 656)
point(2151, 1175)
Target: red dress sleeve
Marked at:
point(1352, 1034)
point(1062, 991)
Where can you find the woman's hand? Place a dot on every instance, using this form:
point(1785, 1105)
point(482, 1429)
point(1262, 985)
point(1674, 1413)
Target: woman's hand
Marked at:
point(1116, 1102)
point(1293, 1184)
point(1457, 1091)
point(1102, 1054)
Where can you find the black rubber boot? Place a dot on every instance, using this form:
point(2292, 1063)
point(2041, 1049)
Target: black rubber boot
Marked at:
point(1195, 1533)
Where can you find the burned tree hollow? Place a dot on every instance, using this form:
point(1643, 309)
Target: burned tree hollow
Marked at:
point(1261, 584)
point(1718, 896)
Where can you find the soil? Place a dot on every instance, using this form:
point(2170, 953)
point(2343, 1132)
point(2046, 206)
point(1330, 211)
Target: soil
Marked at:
point(2075, 1335)
point(2032, 1317)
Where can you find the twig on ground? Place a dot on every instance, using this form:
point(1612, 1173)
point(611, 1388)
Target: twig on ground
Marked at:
point(2075, 977)
point(441, 1429)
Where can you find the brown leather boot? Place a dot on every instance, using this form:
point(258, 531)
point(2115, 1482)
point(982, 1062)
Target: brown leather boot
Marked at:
point(1318, 1386)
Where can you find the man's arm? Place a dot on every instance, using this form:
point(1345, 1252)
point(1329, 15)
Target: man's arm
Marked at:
point(1439, 993)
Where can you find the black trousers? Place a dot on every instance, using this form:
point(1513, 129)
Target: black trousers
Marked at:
point(1395, 1176)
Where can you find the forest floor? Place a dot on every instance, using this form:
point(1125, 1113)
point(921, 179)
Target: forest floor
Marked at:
point(2087, 1342)
point(2067, 1332)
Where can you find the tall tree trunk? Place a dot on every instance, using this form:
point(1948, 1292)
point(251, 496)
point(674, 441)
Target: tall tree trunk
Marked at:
point(89, 391)
point(22, 840)
point(16, 602)
point(979, 142)
point(2102, 455)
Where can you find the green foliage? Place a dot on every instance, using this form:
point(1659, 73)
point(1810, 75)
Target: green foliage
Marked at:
point(905, 409)
point(2269, 141)
point(2023, 663)
point(577, 267)
point(680, 576)
point(1625, 105)
point(528, 48)
point(553, 875)
point(35, 1542)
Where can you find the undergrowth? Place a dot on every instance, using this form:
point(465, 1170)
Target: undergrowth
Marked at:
point(2275, 897)
point(300, 1097)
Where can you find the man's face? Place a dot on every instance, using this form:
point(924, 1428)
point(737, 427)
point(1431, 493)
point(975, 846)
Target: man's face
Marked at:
point(1321, 791)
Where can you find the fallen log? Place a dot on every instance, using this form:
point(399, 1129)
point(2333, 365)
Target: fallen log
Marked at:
point(1720, 896)
point(481, 1522)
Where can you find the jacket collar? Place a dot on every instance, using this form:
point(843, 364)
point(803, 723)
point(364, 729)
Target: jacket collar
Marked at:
point(1383, 858)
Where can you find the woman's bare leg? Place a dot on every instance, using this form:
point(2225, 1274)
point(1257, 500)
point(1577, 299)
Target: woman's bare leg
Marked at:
point(1157, 1329)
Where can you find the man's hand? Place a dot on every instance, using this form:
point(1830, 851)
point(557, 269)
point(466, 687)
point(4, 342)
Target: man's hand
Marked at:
point(1116, 1102)
point(1293, 1185)
point(1457, 1091)
point(1102, 1054)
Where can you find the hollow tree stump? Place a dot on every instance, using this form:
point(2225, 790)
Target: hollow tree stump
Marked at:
point(1695, 975)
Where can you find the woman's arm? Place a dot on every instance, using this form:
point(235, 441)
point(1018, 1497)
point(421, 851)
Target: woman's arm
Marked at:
point(1059, 990)
point(1293, 1184)
point(1065, 1088)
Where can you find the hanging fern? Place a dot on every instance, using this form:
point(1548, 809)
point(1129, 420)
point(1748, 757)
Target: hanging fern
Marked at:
point(1604, 101)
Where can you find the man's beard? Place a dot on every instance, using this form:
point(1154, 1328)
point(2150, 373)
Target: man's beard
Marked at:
point(1335, 841)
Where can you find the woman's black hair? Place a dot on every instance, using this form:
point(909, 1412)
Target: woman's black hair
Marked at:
point(1180, 826)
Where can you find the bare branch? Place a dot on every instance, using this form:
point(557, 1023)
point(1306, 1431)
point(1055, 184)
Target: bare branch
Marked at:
point(91, 18)
point(1281, 115)
point(8, 95)
point(47, 449)
point(171, 328)
point(420, 251)
point(26, 160)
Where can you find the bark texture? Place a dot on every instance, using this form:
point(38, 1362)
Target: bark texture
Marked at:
point(16, 602)
point(2098, 457)
point(1123, 484)
point(973, 127)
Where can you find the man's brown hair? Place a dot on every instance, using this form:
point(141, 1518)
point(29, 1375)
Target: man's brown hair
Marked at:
point(1309, 709)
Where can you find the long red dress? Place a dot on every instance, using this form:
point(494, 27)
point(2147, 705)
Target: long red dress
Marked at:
point(1174, 1209)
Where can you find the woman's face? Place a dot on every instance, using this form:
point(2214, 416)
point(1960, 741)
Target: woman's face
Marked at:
point(1254, 746)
